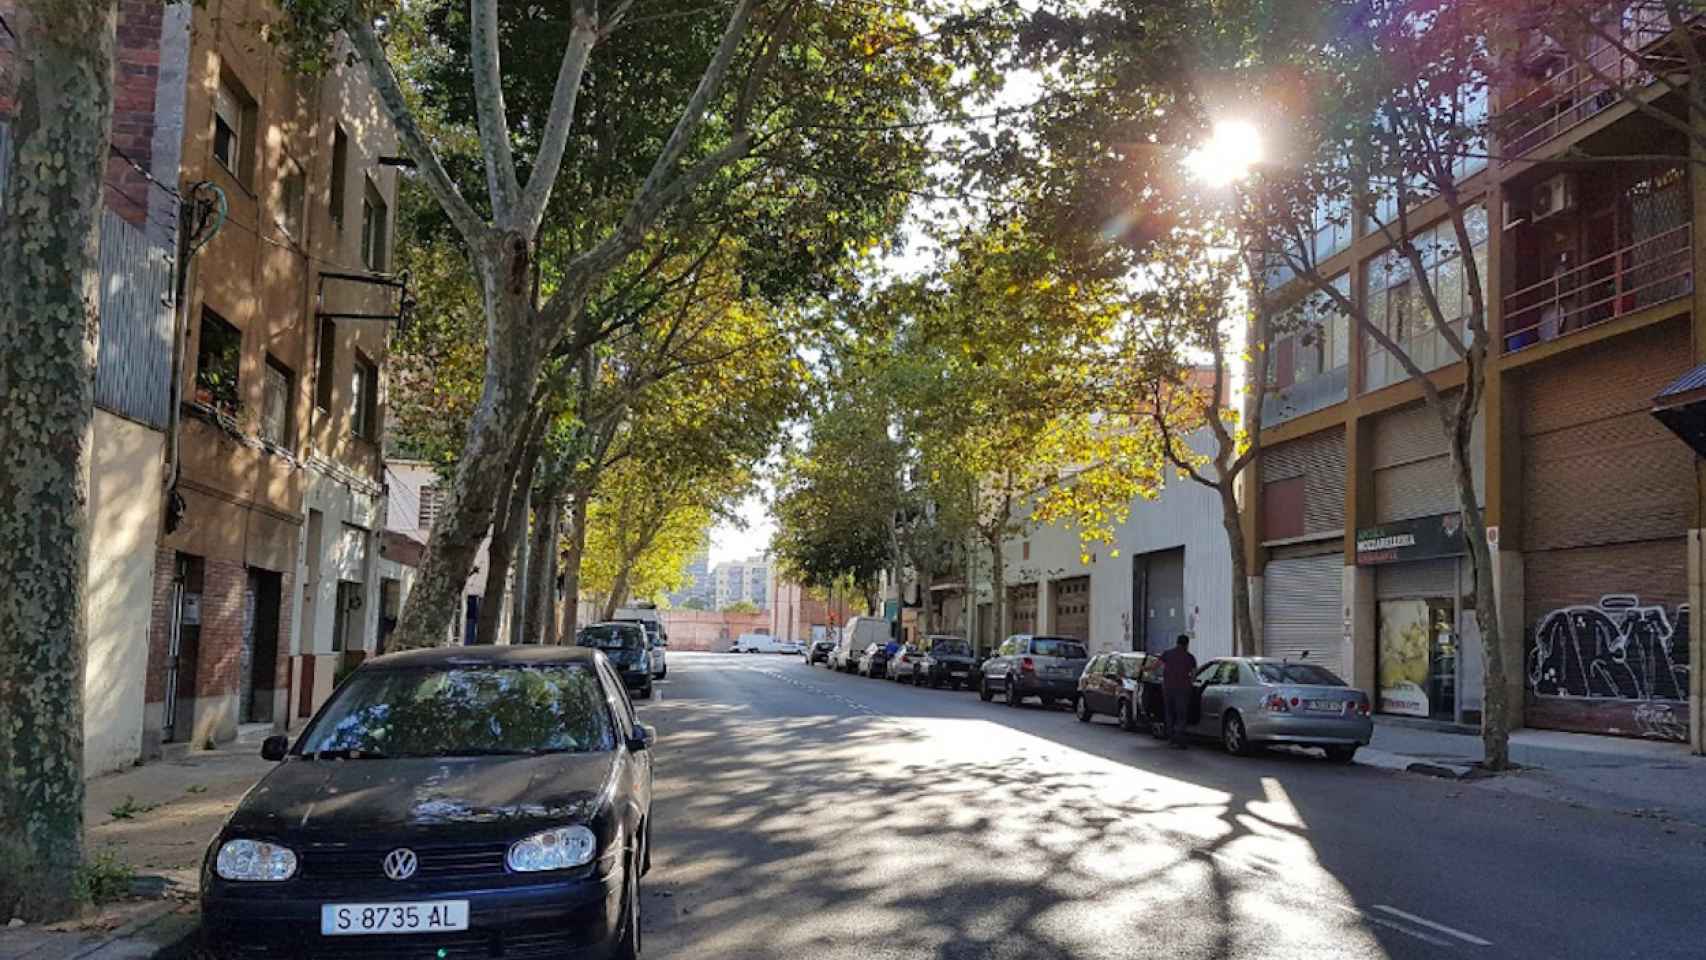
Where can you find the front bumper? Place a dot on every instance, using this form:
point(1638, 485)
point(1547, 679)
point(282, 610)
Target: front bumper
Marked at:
point(1295, 728)
point(636, 677)
point(567, 918)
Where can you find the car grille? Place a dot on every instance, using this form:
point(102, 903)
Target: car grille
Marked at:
point(440, 863)
point(527, 943)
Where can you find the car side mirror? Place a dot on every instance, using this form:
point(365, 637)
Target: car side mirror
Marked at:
point(275, 747)
point(645, 737)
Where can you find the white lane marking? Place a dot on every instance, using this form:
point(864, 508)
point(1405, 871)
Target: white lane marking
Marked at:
point(1419, 935)
point(1442, 928)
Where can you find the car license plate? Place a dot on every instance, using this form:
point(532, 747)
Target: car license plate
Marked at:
point(1327, 706)
point(956, 673)
point(426, 916)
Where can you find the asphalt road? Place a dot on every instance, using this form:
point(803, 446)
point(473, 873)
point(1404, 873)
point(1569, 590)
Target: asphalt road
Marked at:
point(807, 814)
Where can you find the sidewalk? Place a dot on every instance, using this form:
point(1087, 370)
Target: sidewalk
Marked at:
point(1643, 778)
point(157, 820)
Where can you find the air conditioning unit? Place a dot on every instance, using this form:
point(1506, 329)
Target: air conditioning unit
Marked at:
point(1553, 196)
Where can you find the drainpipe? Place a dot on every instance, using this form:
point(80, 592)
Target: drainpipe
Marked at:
point(205, 206)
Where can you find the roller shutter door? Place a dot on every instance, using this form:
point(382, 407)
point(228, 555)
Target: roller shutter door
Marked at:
point(1607, 510)
point(1301, 600)
point(1319, 459)
point(1429, 578)
point(1071, 608)
point(1412, 465)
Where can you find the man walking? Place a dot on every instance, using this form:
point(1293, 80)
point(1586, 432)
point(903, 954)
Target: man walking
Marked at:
point(1178, 668)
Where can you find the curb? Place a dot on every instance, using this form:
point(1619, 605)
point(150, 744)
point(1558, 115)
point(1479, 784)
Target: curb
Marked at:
point(163, 934)
point(1408, 763)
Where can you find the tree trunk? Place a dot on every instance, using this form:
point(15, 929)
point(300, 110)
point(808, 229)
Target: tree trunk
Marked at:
point(511, 522)
point(542, 575)
point(1244, 640)
point(513, 358)
point(997, 589)
point(1496, 705)
point(618, 591)
point(49, 257)
point(554, 593)
point(518, 578)
point(925, 579)
point(572, 554)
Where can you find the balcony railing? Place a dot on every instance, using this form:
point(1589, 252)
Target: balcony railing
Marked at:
point(1641, 275)
point(1316, 393)
point(1574, 94)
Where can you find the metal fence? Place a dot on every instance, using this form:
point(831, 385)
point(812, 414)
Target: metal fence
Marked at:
point(133, 369)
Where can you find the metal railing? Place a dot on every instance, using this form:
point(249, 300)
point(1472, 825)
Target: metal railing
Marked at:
point(1574, 94)
point(1641, 275)
point(1306, 396)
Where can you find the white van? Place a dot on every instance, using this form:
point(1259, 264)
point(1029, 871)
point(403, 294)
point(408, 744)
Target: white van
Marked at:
point(646, 616)
point(756, 643)
point(859, 633)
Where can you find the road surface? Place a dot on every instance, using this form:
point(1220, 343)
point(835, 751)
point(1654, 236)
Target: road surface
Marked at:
point(807, 814)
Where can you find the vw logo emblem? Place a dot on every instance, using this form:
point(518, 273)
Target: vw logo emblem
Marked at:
point(400, 864)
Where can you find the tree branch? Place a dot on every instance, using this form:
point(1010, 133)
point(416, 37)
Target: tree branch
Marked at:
point(553, 143)
point(489, 108)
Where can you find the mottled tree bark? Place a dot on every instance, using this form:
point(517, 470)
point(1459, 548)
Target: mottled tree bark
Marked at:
point(542, 573)
point(511, 513)
point(518, 579)
point(572, 553)
point(49, 325)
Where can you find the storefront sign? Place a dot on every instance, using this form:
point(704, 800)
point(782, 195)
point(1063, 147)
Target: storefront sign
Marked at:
point(1426, 538)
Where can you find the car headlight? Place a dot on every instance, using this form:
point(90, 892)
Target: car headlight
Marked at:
point(254, 860)
point(557, 849)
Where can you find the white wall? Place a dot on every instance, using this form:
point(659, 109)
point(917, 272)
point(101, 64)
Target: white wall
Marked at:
point(125, 499)
point(349, 550)
point(1186, 514)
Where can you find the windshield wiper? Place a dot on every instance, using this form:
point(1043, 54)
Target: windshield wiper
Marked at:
point(347, 753)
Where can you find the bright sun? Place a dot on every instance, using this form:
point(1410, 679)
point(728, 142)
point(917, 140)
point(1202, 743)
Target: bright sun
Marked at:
point(1228, 155)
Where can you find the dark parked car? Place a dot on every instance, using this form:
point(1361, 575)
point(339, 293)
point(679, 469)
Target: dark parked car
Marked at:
point(1029, 666)
point(874, 662)
point(1113, 685)
point(624, 642)
point(949, 662)
point(457, 802)
point(818, 651)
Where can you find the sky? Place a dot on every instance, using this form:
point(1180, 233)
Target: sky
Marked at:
point(729, 542)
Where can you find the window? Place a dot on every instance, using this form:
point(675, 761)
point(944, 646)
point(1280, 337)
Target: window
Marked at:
point(428, 509)
point(328, 364)
point(277, 391)
point(374, 225)
point(340, 171)
point(364, 398)
point(1305, 673)
point(1056, 647)
point(292, 192)
point(1209, 672)
point(1395, 299)
point(234, 122)
point(218, 355)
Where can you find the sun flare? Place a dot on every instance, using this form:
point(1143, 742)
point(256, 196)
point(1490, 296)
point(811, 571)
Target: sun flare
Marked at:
point(1227, 157)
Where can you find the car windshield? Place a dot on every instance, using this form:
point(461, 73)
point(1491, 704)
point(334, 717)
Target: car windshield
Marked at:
point(464, 711)
point(611, 636)
point(1050, 647)
point(951, 648)
point(1306, 673)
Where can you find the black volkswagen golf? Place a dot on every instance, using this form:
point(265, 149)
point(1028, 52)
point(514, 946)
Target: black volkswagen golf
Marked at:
point(445, 804)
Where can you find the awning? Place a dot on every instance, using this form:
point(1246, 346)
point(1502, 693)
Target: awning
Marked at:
point(1681, 407)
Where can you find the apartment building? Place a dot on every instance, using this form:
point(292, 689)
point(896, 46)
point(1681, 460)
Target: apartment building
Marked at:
point(748, 580)
point(1583, 228)
point(265, 581)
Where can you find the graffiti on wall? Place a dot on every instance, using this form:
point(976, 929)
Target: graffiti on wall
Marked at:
point(1618, 649)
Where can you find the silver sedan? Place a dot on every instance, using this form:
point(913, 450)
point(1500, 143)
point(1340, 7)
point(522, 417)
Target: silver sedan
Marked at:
point(1248, 702)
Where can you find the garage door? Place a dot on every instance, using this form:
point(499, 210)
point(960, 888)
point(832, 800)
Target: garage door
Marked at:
point(1158, 583)
point(1022, 608)
point(1071, 608)
point(1301, 609)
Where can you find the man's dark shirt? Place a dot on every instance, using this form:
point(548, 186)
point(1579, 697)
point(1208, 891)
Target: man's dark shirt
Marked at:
point(1179, 667)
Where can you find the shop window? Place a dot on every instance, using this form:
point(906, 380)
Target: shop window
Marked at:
point(218, 355)
point(364, 399)
point(340, 173)
point(375, 225)
point(234, 124)
point(328, 364)
point(277, 392)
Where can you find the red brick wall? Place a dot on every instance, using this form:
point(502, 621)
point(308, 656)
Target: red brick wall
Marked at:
point(160, 623)
point(135, 79)
point(219, 659)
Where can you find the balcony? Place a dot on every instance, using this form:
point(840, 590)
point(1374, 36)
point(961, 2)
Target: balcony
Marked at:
point(1572, 93)
point(1317, 393)
point(1640, 275)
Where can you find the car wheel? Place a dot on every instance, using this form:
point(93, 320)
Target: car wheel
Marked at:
point(629, 948)
point(1342, 754)
point(1047, 702)
point(664, 674)
point(1127, 723)
point(646, 692)
point(1233, 736)
point(983, 692)
point(1082, 709)
point(1014, 698)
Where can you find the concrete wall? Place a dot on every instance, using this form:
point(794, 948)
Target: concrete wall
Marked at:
point(124, 515)
point(709, 630)
point(1186, 515)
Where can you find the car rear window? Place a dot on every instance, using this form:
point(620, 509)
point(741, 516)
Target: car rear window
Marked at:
point(1050, 647)
point(951, 648)
point(611, 636)
point(1305, 673)
point(465, 711)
